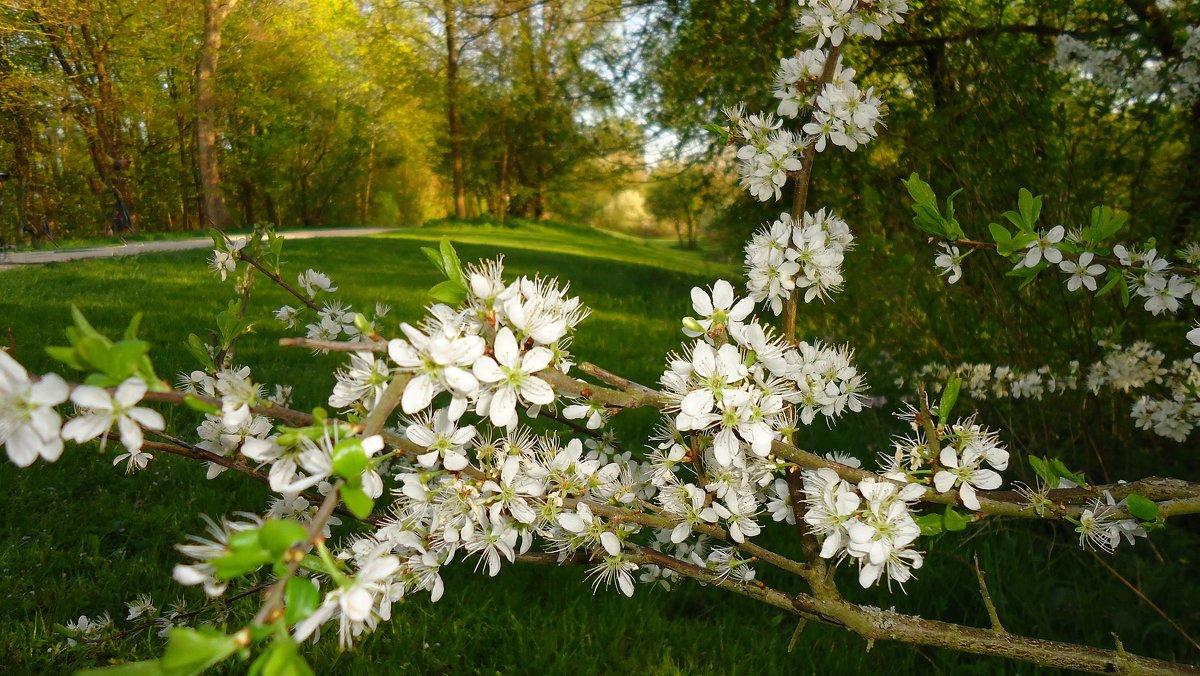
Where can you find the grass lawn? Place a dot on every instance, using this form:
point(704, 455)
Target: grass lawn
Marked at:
point(82, 538)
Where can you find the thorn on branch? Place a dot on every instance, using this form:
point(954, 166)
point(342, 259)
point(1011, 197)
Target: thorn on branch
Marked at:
point(993, 616)
point(796, 634)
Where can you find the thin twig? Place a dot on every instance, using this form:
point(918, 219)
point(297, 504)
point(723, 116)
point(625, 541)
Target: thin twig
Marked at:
point(993, 616)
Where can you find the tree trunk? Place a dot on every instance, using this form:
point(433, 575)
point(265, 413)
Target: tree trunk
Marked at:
point(215, 212)
point(456, 154)
point(364, 209)
point(502, 201)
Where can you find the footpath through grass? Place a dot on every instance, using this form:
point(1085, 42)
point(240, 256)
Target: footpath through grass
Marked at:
point(80, 537)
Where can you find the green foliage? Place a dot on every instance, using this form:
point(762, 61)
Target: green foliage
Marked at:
point(1053, 469)
point(301, 598)
point(949, 398)
point(109, 363)
point(453, 291)
point(928, 215)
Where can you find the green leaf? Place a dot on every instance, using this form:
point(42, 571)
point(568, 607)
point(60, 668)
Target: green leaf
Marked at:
point(66, 355)
point(1001, 235)
point(197, 404)
point(218, 239)
point(281, 659)
point(952, 227)
point(954, 521)
point(302, 599)
point(449, 292)
point(240, 562)
point(931, 524)
point(278, 535)
point(135, 324)
point(1030, 208)
point(949, 396)
point(1141, 507)
point(1044, 470)
point(356, 500)
point(191, 651)
point(920, 191)
point(85, 328)
point(196, 348)
point(434, 257)
point(925, 206)
point(453, 267)
point(1114, 278)
point(349, 458)
point(1062, 471)
point(125, 356)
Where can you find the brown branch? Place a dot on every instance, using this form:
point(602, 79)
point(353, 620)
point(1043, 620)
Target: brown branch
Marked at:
point(274, 276)
point(875, 624)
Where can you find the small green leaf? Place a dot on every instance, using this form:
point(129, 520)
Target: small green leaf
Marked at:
point(453, 267)
point(218, 239)
point(197, 404)
point(349, 458)
point(281, 659)
point(191, 651)
point(66, 355)
point(302, 599)
point(1000, 234)
point(196, 348)
point(434, 257)
point(359, 504)
point(449, 292)
point(954, 521)
point(135, 324)
point(240, 562)
point(1114, 278)
point(1030, 208)
point(1044, 470)
point(278, 535)
point(362, 324)
point(949, 396)
point(920, 191)
point(1141, 507)
point(931, 524)
point(1062, 471)
point(85, 328)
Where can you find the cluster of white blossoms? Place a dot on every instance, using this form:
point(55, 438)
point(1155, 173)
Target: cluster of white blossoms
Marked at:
point(784, 255)
point(1164, 402)
point(841, 113)
point(768, 153)
point(1148, 275)
point(1133, 75)
point(736, 391)
point(871, 523)
point(1151, 279)
point(835, 20)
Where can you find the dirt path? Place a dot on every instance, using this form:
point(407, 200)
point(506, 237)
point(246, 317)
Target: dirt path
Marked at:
point(135, 248)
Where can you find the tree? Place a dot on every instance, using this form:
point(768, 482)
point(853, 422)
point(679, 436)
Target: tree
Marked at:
point(680, 196)
point(215, 213)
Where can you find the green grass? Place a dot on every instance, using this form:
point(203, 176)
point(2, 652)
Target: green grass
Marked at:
point(79, 537)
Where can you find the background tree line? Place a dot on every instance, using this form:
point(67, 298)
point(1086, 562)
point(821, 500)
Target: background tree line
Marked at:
point(303, 112)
